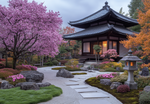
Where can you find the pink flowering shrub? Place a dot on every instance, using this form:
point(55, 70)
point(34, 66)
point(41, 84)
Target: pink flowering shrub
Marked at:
point(107, 76)
point(110, 53)
point(22, 68)
point(14, 79)
point(26, 67)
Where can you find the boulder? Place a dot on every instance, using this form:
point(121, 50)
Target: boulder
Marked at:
point(18, 84)
point(64, 73)
point(33, 76)
point(145, 71)
point(29, 86)
point(6, 85)
point(114, 85)
point(118, 69)
point(84, 69)
point(105, 81)
point(147, 88)
point(45, 84)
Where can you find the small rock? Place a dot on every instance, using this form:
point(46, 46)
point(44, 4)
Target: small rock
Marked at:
point(6, 85)
point(45, 84)
point(145, 71)
point(84, 69)
point(105, 81)
point(114, 85)
point(29, 86)
point(64, 73)
point(147, 88)
point(118, 69)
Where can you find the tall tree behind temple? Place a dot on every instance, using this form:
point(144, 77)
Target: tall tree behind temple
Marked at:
point(143, 38)
point(133, 6)
point(123, 13)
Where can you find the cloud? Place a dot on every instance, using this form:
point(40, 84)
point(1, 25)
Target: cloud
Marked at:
point(72, 10)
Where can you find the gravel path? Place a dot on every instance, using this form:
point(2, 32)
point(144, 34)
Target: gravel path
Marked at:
point(70, 96)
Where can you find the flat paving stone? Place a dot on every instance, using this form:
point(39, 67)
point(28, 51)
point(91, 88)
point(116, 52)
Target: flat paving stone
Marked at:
point(79, 87)
point(74, 80)
point(94, 101)
point(93, 95)
point(87, 90)
point(71, 83)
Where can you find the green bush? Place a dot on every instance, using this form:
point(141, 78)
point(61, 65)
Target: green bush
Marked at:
point(142, 81)
point(48, 63)
point(144, 97)
point(120, 78)
point(55, 62)
point(110, 70)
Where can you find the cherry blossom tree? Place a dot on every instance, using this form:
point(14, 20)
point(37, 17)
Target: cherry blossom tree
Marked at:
point(27, 27)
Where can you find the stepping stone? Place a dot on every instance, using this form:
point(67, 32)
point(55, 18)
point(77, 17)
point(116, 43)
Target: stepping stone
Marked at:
point(74, 80)
point(93, 95)
point(85, 90)
point(93, 101)
point(71, 83)
point(79, 87)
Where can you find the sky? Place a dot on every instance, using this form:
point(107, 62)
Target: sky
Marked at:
point(72, 10)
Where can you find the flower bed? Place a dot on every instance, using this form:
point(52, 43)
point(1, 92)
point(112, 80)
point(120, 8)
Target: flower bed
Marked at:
point(131, 97)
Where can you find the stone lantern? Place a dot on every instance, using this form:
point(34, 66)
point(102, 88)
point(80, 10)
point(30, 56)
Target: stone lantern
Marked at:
point(130, 66)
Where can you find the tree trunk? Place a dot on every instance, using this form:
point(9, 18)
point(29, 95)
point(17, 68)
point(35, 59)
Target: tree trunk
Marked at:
point(14, 62)
point(98, 56)
point(95, 57)
point(6, 60)
point(42, 60)
point(23, 59)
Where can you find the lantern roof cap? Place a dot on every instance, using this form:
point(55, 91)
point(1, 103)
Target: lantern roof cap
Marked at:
point(130, 57)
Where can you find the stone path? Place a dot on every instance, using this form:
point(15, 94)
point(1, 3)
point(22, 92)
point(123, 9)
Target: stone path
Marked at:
point(80, 93)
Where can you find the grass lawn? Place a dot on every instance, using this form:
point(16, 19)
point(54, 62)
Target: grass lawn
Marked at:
point(17, 96)
point(66, 69)
point(131, 97)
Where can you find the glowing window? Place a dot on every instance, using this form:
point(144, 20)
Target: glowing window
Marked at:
point(126, 63)
point(131, 64)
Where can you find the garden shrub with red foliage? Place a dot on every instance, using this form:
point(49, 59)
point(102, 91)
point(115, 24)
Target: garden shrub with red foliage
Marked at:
point(2, 59)
point(123, 88)
point(22, 68)
point(9, 63)
point(2, 65)
point(6, 72)
point(63, 61)
point(26, 67)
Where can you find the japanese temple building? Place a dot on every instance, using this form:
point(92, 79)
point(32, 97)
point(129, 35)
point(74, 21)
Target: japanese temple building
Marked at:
point(106, 28)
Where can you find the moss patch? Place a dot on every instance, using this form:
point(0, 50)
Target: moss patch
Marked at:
point(131, 97)
point(79, 73)
point(66, 69)
point(18, 96)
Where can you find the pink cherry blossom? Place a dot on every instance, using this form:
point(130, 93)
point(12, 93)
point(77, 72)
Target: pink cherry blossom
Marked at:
point(27, 27)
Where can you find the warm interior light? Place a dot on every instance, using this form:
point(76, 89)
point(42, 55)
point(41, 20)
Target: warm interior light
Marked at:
point(126, 63)
point(104, 45)
point(131, 64)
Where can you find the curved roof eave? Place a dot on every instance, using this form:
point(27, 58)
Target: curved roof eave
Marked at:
point(125, 18)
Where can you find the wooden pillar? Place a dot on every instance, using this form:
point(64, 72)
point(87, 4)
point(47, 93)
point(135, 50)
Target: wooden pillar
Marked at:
point(82, 47)
point(107, 41)
point(118, 45)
